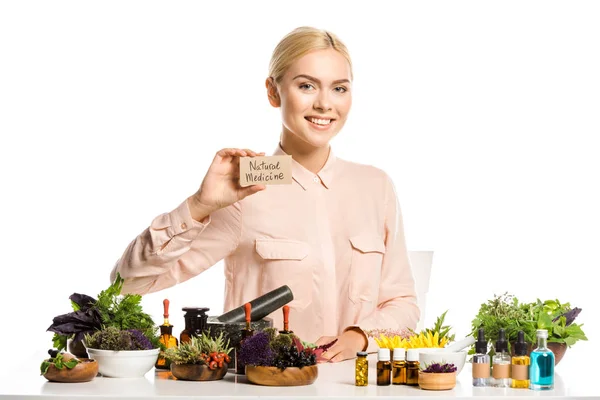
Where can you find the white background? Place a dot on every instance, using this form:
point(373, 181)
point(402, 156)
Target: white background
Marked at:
point(484, 114)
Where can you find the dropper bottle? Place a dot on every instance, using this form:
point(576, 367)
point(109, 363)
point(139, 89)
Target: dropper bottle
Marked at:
point(481, 361)
point(520, 364)
point(501, 362)
point(166, 338)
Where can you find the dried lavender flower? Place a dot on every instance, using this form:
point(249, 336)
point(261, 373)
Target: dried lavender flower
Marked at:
point(376, 333)
point(440, 368)
point(256, 350)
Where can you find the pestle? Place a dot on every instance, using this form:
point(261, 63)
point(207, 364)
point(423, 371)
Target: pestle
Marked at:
point(459, 345)
point(261, 306)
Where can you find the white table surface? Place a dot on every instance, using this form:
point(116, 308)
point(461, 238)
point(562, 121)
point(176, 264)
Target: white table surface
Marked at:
point(335, 380)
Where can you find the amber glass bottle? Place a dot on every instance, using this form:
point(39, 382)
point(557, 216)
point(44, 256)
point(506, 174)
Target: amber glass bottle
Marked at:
point(166, 338)
point(384, 367)
point(399, 366)
point(412, 367)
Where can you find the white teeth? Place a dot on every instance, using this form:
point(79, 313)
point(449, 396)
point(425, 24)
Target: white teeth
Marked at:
point(320, 121)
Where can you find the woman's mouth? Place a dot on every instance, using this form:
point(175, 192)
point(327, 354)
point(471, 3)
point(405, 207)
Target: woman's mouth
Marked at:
point(320, 123)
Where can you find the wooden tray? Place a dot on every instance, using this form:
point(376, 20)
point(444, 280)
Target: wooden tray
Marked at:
point(273, 376)
point(197, 372)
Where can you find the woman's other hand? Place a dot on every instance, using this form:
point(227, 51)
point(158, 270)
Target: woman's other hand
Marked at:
point(348, 344)
point(221, 187)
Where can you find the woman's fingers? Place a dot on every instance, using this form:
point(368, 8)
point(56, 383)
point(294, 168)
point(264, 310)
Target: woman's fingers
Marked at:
point(247, 191)
point(325, 340)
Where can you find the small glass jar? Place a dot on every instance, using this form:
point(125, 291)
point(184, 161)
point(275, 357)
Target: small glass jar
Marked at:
point(195, 323)
point(362, 369)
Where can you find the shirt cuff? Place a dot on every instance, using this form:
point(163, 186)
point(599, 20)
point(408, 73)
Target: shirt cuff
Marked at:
point(357, 329)
point(180, 222)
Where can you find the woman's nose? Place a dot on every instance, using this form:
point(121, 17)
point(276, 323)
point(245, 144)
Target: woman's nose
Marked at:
point(322, 102)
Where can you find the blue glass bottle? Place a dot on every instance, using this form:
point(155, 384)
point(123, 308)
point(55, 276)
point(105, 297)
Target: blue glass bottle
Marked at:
point(541, 370)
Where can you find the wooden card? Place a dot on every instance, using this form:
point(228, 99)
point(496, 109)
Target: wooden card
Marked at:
point(266, 170)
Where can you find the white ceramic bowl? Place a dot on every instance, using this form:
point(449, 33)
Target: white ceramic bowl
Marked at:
point(124, 364)
point(435, 355)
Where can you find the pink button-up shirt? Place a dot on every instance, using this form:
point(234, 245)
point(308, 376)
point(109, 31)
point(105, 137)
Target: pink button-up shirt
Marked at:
point(335, 238)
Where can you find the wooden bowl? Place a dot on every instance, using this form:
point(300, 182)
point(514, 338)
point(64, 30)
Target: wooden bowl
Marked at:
point(437, 381)
point(558, 349)
point(197, 372)
point(273, 376)
point(85, 371)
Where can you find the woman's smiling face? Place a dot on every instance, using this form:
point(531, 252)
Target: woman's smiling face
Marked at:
point(315, 96)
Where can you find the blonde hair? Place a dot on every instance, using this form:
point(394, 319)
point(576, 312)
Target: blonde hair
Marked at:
point(300, 42)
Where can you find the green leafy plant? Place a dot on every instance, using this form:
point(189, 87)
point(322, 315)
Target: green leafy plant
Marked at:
point(59, 362)
point(506, 312)
point(111, 309)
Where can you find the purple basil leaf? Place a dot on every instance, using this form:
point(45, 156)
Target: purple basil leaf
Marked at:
point(82, 300)
point(569, 315)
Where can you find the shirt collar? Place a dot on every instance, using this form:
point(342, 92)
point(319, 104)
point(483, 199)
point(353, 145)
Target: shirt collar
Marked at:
point(306, 178)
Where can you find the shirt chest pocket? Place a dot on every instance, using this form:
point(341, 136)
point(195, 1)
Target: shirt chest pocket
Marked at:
point(286, 262)
point(365, 269)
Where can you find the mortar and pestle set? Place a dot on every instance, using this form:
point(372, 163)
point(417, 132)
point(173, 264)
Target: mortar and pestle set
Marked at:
point(233, 322)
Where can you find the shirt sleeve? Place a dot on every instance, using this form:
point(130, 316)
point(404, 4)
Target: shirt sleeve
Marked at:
point(397, 301)
point(175, 248)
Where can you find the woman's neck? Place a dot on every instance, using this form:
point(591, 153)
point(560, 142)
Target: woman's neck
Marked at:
point(310, 157)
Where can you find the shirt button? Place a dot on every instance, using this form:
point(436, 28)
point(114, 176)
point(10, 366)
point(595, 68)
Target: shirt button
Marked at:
point(183, 225)
point(316, 179)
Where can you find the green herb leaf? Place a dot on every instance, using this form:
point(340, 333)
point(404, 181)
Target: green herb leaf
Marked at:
point(59, 342)
point(71, 363)
point(44, 367)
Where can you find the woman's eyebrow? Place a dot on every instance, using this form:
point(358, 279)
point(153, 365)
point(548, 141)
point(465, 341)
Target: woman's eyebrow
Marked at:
point(311, 78)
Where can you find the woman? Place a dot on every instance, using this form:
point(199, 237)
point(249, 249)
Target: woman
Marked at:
point(334, 236)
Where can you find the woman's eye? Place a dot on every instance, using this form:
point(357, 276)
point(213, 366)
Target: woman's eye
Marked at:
point(306, 86)
point(340, 89)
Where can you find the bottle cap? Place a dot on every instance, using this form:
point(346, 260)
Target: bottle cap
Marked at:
point(481, 343)
point(399, 354)
point(501, 343)
point(412, 355)
point(542, 333)
point(383, 354)
point(362, 354)
point(521, 345)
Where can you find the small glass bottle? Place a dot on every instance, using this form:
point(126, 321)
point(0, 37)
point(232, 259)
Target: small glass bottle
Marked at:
point(520, 364)
point(501, 362)
point(361, 374)
point(481, 361)
point(195, 323)
point(384, 367)
point(541, 370)
point(240, 368)
point(166, 338)
point(412, 367)
point(399, 367)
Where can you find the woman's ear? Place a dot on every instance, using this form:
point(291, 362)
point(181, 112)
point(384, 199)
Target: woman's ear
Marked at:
point(272, 92)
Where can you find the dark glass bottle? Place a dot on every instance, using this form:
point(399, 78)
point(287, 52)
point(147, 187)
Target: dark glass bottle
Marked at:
point(195, 323)
point(384, 367)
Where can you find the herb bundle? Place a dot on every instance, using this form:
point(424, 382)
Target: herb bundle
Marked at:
point(109, 310)
point(506, 312)
point(268, 348)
